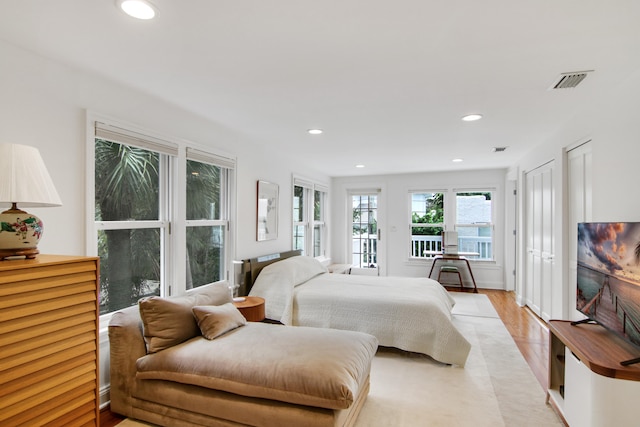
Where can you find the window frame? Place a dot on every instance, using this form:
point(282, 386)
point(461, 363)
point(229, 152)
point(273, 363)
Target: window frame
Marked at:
point(375, 247)
point(308, 222)
point(488, 225)
point(412, 225)
point(450, 218)
point(172, 222)
point(321, 223)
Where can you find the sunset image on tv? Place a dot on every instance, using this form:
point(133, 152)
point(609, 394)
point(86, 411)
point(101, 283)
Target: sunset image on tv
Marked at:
point(608, 276)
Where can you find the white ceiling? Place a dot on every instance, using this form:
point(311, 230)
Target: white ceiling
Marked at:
point(388, 81)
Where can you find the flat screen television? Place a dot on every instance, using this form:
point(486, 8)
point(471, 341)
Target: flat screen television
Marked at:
point(608, 276)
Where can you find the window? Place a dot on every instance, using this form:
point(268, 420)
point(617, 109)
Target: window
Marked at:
point(143, 227)
point(300, 220)
point(364, 237)
point(427, 223)
point(309, 217)
point(470, 213)
point(474, 223)
point(207, 213)
point(319, 223)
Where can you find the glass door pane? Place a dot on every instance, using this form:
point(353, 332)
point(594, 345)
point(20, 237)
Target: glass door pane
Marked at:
point(364, 240)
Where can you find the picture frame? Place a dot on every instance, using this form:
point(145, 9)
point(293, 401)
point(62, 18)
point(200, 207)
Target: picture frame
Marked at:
point(267, 211)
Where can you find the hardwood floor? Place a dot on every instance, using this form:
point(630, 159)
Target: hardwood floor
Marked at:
point(528, 331)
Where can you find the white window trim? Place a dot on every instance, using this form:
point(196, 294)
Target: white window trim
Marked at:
point(309, 222)
point(490, 225)
point(450, 213)
point(412, 225)
point(179, 150)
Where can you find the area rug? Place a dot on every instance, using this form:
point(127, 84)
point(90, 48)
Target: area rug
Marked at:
point(495, 388)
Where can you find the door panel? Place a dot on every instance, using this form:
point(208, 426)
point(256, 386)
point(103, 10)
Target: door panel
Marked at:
point(579, 210)
point(539, 240)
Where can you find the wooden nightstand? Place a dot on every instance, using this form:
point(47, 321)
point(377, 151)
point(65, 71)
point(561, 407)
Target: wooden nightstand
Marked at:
point(252, 308)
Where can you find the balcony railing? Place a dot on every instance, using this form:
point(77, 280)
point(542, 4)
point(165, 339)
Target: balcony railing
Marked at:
point(420, 244)
point(481, 245)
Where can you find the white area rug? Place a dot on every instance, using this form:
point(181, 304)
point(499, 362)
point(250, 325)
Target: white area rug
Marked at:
point(495, 388)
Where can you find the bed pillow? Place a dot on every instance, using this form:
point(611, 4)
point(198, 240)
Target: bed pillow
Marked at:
point(215, 320)
point(169, 321)
point(295, 270)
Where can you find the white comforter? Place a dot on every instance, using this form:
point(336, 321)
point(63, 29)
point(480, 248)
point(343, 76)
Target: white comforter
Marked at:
point(412, 314)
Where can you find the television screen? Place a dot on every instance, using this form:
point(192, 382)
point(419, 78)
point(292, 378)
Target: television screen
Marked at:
point(608, 276)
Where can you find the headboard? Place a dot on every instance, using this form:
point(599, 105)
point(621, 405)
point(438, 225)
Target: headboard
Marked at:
point(251, 267)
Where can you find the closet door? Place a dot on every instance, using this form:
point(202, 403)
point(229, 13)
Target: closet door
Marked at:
point(540, 247)
point(579, 210)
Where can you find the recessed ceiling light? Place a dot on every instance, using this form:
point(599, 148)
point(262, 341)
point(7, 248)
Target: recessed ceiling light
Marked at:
point(360, 166)
point(456, 160)
point(140, 9)
point(315, 131)
point(472, 117)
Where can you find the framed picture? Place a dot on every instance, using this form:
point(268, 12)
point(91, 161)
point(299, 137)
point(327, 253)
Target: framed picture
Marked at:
point(267, 223)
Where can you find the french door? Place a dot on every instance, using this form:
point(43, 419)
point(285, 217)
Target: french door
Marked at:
point(365, 232)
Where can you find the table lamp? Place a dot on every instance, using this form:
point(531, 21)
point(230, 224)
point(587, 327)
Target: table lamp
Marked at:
point(24, 182)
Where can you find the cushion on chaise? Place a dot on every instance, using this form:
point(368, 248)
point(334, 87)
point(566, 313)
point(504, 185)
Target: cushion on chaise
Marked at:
point(170, 321)
point(306, 366)
point(216, 320)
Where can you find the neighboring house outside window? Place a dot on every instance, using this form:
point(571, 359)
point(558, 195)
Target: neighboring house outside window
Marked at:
point(470, 213)
point(474, 223)
point(161, 216)
point(310, 227)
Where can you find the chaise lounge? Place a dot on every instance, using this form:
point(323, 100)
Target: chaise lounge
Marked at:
point(164, 371)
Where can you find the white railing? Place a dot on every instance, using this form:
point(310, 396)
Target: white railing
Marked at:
point(481, 245)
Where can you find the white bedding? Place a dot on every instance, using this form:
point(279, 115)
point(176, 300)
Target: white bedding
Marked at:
point(412, 314)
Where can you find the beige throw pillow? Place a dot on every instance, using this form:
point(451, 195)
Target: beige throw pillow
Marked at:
point(217, 320)
point(169, 321)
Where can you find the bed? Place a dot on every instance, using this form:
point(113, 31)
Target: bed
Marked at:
point(411, 314)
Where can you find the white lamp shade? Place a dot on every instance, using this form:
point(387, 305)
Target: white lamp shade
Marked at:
point(24, 178)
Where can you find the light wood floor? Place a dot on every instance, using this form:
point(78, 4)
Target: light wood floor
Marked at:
point(528, 331)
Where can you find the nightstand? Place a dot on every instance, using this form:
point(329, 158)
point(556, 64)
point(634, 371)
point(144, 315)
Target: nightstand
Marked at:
point(252, 308)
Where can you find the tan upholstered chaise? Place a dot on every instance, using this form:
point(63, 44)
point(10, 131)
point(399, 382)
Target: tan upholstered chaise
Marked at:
point(258, 374)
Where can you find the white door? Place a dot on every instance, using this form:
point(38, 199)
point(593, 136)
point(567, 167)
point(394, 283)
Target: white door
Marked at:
point(579, 210)
point(539, 241)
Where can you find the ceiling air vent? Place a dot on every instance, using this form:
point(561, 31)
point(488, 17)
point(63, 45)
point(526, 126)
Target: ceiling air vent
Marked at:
point(498, 149)
point(569, 80)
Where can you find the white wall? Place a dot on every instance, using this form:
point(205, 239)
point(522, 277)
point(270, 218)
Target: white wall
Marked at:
point(394, 214)
point(611, 123)
point(44, 104)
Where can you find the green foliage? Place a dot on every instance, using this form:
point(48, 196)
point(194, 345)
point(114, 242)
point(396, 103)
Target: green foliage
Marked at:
point(203, 191)
point(434, 207)
point(126, 188)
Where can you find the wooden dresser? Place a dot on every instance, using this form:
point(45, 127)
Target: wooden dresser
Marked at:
point(49, 341)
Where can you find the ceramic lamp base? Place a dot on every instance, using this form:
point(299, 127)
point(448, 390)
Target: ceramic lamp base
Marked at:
point(20, 233)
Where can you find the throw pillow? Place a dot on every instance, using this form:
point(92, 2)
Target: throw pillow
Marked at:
point(214, 321)
point(169, 321)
